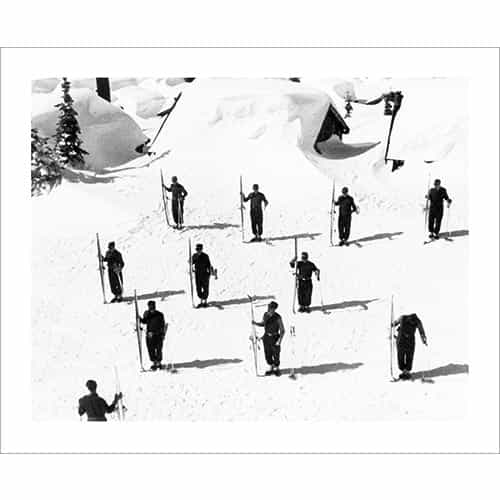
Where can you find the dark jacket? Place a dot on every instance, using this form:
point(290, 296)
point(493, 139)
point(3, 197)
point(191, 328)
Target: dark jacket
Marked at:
point(436, 197)
point(177, 190)
point(95, 407)
point(114, 259)
point(407, 325)
point(256, 201)
point(273, 324)
point(304, 269)
point(202, 265)
point(346, 204)
point(155, 321)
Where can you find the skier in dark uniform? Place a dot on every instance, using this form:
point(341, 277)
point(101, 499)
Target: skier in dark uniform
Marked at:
point(405, 342)
point(346, 205)
point(155, 333)
point(94, 406)
point(256, 199)
point(202, 271)
point(436, 196)
point(178, 195)
point(304, 271)
point(274, 331)
point(115, 263)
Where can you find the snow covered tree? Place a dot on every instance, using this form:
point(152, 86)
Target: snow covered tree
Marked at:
point(45, 170)
point(68, 142)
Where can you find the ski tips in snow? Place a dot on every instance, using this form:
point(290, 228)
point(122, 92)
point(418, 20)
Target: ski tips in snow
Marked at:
point(101, 267)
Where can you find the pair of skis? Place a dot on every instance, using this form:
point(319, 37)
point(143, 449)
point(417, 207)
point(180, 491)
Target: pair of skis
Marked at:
point(295, 277)
point(296, 283)
point(333, 217)
point(120, 407)
point(138, 331)
point(165, 199)
point(253, 338)
point(242, 208)
point(190, 270)
point(391, 340)
point(101, 270)
point(101, 267)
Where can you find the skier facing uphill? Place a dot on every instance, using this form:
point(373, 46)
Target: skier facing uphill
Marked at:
point(405, 342)
point(94, 406)
point(274, 331)
point(178, 195)
point(155, 333)
point(303, 276)
point(256, 199)
point(436, 196)
point(115, 265)
point(346, 205)
point(202, 271)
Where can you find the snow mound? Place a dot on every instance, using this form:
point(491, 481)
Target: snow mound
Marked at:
point(109, 135)
point(140, 101)
point(432, 120)
point(243, 110)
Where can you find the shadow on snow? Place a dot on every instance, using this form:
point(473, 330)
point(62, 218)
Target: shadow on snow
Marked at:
point(344, 305)
point(311, 236)
point(457, 234)
point(207, 363)
point(442, 371)
point(220, 304)
point(323, 368)
point(154, 295)
point(379, 236)
point(217, 225)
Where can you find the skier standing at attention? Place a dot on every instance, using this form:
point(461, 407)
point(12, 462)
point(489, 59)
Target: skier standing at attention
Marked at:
point(256, 199)
point(274, 331)
point(202, 271)
point(405, 341)
point(436, 196)
point(155, 333)
point(178, 195)
point(94, 406)
point(346, 205)
point(115, 263)
point(304, 271)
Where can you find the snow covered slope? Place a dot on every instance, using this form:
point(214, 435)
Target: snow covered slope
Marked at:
point(262, 130)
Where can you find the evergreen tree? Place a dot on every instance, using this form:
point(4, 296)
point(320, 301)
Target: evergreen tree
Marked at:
point(68, 142)
point(45, 170)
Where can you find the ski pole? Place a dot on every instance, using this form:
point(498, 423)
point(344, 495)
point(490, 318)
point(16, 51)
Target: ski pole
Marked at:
point(448, 221)
point(119, 406)
point(321, 297)
point(293, 339)
point(391, 341)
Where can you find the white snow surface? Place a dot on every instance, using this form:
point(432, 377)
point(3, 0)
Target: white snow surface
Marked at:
point(262, 129)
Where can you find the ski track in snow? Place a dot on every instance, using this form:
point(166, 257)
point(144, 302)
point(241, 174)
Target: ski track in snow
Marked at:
point(341, 358)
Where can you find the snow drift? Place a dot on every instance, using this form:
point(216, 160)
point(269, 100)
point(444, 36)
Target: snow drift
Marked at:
point(109, 135)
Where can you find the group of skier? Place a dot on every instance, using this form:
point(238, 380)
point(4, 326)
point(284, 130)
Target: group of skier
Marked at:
point(274, 329)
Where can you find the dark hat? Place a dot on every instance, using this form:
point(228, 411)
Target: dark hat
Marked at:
point(273, 304)
point(91, 385)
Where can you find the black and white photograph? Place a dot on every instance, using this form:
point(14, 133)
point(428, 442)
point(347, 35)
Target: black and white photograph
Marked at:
point(249, 249)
